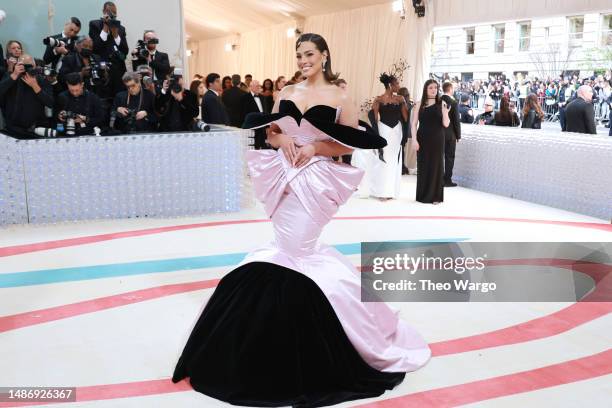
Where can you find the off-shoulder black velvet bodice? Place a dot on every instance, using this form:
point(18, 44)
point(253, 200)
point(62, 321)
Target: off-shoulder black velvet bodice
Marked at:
point(323, 117)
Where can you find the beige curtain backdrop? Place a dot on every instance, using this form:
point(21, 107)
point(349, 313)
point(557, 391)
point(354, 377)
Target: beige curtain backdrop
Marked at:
point(363, 43)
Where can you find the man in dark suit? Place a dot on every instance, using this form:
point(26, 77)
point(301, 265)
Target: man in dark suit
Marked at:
point(452, 134)
point(71, 31)
point(253, 102)
point(157, 60)
point(134, 109)
point(232, 99)
point(466, 113)
point(580, 114)
point(177, 110)
point(110, 44)
point(213, 111)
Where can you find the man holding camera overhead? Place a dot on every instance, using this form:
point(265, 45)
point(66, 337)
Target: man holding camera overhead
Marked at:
point(146, 53)
point(77, 108)
point(24, 94)
point(133, 110)
point(110, 44)
point(58, 46)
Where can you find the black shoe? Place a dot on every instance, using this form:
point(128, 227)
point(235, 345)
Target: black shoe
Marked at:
point(450, 184)
point(405, 170)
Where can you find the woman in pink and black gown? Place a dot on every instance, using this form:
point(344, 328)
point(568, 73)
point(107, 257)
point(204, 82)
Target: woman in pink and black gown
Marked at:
point(287, 326)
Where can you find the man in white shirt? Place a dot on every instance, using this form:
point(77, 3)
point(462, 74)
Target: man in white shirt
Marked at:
point(61, 44)
point(155, 59)
point(253, 102)
point(109, 38)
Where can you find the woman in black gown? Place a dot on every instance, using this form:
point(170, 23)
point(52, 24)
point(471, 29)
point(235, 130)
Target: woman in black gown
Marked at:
point(430, 119)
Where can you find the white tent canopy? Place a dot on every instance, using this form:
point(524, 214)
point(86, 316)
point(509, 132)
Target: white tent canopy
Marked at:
point(365, 37)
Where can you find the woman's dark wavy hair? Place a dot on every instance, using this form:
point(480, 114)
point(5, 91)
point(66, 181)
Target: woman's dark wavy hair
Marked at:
point(424, 94)
point(321, 45)
point(386, 79)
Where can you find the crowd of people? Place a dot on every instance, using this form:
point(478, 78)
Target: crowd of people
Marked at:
point(533, 100)
point(82, 85)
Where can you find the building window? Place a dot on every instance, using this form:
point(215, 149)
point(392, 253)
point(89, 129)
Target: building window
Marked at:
point(606, 30)
point(524, 36)
point(467, 76)
point(575, 29)
point(499, 35)
point(470, 39)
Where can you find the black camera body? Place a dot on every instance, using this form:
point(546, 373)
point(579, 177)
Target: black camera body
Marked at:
point(141, 48)
point(130, 120)
point(98, 70)
point(174, 84)
point(32, 70)
point(111, 20)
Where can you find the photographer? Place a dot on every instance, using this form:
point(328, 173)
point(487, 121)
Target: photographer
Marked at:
point(146, 79)
point(58, 46)
point(146, 53)
point(78, 108)
point(177, 106)
point(95, 73)
point(133, 110)
point(24, 94)
point(110, 44)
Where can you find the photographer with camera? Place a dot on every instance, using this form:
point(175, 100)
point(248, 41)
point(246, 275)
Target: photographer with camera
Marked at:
point(133, 110)
point(110, 44)
point(58, 46)
point(95, 72)
point(146, 53)
point(24, 94)
point(146, 79)
point(178, 107)
point(78, 108)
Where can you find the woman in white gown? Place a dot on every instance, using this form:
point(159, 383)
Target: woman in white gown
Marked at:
point(389, 110)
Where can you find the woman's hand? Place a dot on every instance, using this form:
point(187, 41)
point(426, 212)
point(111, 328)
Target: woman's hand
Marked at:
point(304, 154)
point(415, 145)
point(445, 108)
point(286, 144)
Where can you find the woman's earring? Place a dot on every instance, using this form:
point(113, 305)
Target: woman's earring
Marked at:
point(324, 62)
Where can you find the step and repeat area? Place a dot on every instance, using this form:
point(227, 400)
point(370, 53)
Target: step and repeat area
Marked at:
point(141, 175)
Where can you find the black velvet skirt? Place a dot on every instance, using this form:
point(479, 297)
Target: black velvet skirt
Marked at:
point(268, 336)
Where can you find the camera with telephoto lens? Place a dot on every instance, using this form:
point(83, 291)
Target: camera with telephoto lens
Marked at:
point(58, 42)
point(146, 78)
point(49, 71)
point(45, 132)
point(201, 126)
point(69, 118)
point(147, 81)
